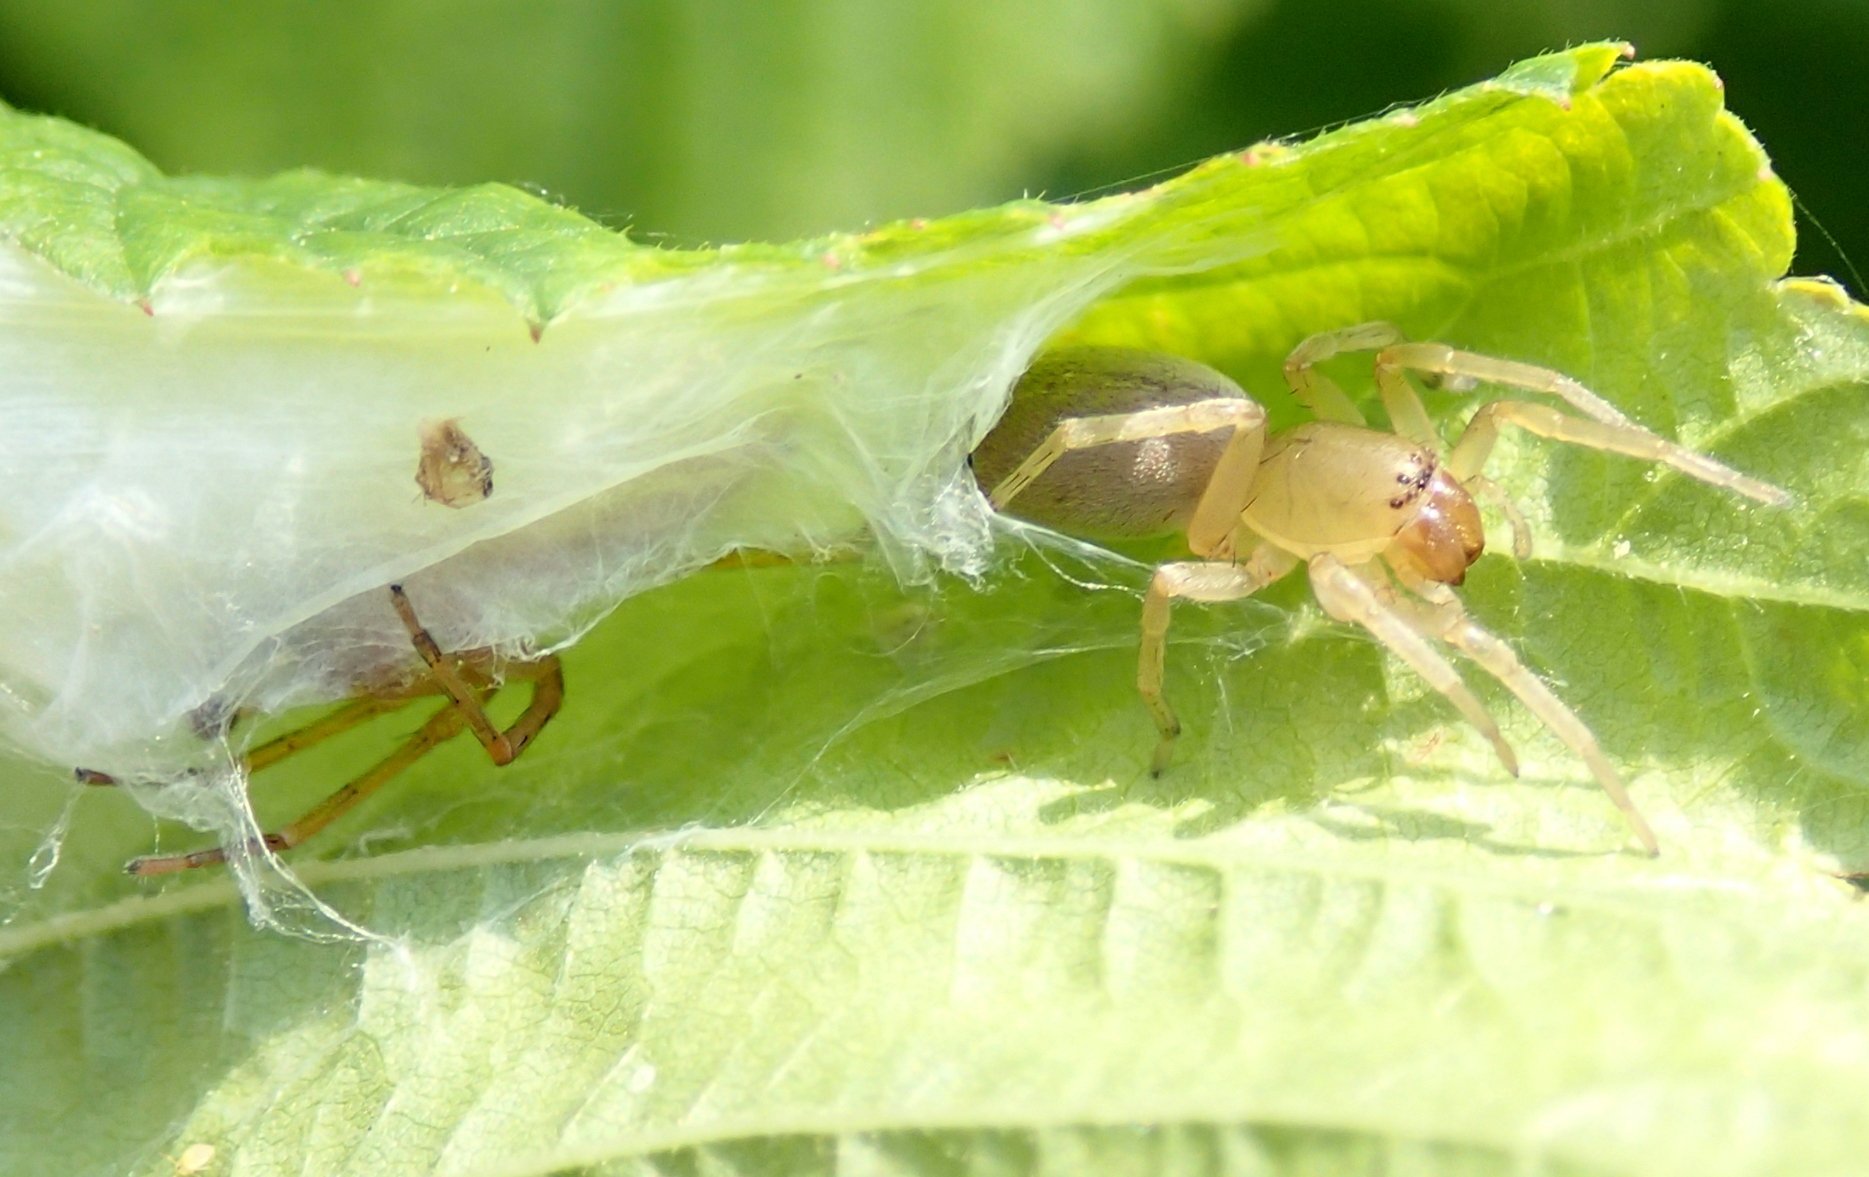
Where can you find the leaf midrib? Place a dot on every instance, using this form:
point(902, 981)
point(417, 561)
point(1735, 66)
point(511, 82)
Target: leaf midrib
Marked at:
point(1129, 1114)
point(1627, 897)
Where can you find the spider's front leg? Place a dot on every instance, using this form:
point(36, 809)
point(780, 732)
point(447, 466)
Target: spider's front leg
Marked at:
point(1440, 614)
point(1469, 455)
point(1601, 427)
point(1348, 596)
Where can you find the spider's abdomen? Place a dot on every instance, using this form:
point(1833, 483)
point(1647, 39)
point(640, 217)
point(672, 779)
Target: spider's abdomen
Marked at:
point(1133, 489)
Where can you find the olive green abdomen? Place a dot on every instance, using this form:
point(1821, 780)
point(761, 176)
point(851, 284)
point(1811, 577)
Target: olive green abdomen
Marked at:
point(1128, 490)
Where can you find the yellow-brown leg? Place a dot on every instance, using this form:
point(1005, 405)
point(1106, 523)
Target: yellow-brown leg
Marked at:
point(466, 708)
point(548, 689)
point(319, 730)
point(295, 741)
point(442, 726)
point(449, 681)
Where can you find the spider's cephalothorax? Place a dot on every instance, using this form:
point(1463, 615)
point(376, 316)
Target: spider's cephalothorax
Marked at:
point(1326, 486)
point(1114, 442)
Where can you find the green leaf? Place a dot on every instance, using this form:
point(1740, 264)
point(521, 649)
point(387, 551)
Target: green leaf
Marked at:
point(820, 873)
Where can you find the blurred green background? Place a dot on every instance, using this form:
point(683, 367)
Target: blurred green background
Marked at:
point(696, 121)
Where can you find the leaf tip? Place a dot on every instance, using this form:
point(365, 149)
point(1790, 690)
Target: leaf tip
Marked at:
point(1557, 76)
point(1826, 293)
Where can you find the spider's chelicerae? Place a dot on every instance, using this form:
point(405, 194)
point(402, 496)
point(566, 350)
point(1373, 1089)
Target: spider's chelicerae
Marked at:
point(1117, 443)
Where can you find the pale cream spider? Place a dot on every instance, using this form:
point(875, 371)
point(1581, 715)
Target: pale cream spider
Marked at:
point(1116, 443)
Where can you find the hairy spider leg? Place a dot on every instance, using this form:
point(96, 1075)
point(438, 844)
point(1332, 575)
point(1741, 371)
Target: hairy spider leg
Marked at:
point(1606, 428)
point(1349, 597)
point(448, 675)
point(1191, 580)
point(548, 690)
point(1216, 517)
point(1439, 614)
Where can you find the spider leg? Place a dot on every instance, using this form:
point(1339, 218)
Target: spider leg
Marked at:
point(1216, 516)
point(1321, 395)
point(319, 730)
point(1441, 614)
point(546, 675)
point(1495, 495)
point(297, 740)
point(1192, 581)
point(1349, 597)
point(441, 726)
point(466, 708)
point(1602, 427)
